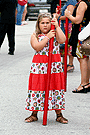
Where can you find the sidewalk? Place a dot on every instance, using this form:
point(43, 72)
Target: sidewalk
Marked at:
point(14, 73)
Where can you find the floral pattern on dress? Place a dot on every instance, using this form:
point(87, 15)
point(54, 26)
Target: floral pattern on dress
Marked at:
point(41, 68)
point(35, 99)
point(56, 100)
point(45, 50)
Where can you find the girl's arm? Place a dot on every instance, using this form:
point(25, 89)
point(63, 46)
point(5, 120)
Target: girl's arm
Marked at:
point(38, 46)
point(60, 36)
point(79, 13)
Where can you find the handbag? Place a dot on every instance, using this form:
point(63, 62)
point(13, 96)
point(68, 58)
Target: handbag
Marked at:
point(49, 1)
point(22, 2)
point(85, 47)
point(84, 36)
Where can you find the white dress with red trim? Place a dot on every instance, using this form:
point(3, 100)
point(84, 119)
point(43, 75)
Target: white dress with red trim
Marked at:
point(38, 80)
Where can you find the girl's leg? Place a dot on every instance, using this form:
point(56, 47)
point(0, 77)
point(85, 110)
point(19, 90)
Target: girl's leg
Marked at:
point(32, 117)
point(60, 117)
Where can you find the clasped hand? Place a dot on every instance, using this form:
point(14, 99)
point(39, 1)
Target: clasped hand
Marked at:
point(67, 13)
point(55, 22)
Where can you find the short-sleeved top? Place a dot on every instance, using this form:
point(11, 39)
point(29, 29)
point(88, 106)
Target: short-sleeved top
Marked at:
point(69, 2)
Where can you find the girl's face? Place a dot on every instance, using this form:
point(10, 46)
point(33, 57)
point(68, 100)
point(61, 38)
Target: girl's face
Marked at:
point(45, 25)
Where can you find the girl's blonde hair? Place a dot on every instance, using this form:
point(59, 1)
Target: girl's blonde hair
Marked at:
point(40, 16)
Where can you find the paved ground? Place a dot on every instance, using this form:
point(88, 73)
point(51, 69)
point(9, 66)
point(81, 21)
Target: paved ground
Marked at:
point(14, 73)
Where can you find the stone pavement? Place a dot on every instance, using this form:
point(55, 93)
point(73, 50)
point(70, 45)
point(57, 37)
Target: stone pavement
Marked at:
point(14, 73)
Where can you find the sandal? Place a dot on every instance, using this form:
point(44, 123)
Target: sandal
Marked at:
point(31, 118)
point(71, 68)
point(84, 90)
point(88, 88)
point(61, 119)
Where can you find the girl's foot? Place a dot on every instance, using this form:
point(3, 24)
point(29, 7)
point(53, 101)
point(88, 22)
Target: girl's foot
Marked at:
point(31, 118)
point(61, 119)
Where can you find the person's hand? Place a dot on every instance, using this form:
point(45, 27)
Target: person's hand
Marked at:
point(51, 34)
point(55, 22)
point(67, 13)
point(57, 14)
point(58, 11)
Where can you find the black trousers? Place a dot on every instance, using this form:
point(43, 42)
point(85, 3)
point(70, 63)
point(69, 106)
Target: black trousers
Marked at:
point(54, 5)
point(10, 30)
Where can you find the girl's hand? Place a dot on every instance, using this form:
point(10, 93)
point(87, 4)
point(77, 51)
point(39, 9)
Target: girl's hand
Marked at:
point(51, 34)
point(55, 22)
point(67, 13)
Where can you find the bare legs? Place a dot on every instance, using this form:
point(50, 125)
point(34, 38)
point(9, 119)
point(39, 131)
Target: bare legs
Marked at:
point(89, 68)
point(84, 72)
point(32, 117)
point(84, 86)
point(70, 67)
point(24, 15)
point(60, 117)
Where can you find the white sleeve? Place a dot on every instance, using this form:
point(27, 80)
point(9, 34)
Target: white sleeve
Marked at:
point(84, 33)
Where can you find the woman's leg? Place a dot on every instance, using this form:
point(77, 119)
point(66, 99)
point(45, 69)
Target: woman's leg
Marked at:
point(70, 66)
point(84, 73)
point(20, 10)
point(24, 13)
point(89, 68)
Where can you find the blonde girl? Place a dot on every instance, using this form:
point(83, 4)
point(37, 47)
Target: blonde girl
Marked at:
point(38, 73)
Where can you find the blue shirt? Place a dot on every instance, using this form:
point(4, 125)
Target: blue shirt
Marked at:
point(69, 2)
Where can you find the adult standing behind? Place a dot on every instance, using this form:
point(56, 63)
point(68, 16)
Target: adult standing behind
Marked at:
point(54, 5)
point(80, 18)
point(24, 15)
point(70, 6)
point(7, 23)
point(20, 10)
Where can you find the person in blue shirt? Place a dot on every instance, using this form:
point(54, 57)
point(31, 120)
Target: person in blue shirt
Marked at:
point(68, 5)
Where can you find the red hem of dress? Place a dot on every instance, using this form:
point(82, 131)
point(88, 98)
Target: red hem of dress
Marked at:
point(43, 110)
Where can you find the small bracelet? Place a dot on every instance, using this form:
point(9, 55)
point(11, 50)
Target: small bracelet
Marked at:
point(47, 37)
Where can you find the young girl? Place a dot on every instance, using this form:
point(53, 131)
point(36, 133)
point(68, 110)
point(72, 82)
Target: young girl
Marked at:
point(38, 73)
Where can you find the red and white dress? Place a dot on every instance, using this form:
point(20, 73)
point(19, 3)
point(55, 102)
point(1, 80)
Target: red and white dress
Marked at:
point(38, 80)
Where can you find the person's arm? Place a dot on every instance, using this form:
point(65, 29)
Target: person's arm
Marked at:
point(70, 8)
point(38, 46)
point(60, 36)
point(79, 13)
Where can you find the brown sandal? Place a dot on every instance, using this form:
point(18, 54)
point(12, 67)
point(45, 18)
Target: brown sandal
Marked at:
point(31, 118)
point(61, 119)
